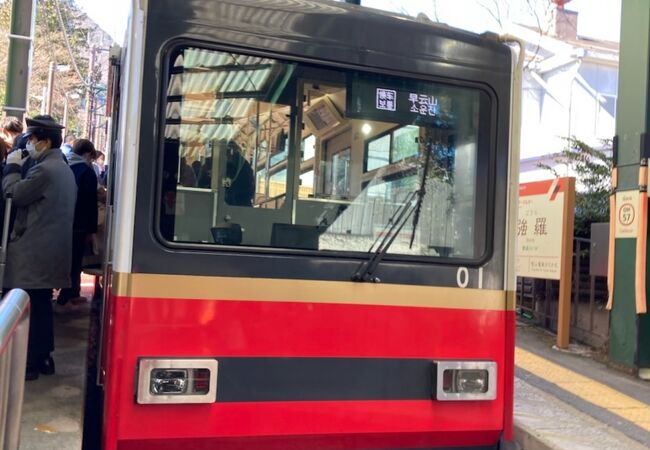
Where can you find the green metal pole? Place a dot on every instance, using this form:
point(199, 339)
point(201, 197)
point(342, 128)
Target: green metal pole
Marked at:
point(23, 18)
point(629, 338)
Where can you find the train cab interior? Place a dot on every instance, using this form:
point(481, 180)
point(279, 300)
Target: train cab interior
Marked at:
point(259, 152)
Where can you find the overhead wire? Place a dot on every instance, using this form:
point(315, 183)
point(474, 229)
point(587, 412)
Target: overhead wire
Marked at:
point(69, 48)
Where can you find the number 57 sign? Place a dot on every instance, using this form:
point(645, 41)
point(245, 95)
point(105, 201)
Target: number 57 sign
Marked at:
point(627, 218)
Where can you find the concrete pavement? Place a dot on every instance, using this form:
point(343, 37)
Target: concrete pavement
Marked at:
point(567, 400)
point(52, 408)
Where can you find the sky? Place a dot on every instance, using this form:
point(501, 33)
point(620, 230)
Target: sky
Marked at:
point(111, 16)
point(599, 19)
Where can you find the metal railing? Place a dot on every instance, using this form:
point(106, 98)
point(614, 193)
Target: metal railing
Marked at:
point(277, 201)
point(14, 334)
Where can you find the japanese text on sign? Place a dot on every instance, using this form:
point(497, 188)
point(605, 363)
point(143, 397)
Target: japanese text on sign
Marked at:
point(539, 231)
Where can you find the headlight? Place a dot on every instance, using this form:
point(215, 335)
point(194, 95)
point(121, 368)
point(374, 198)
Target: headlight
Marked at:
point(177, 381)
point(465, 380)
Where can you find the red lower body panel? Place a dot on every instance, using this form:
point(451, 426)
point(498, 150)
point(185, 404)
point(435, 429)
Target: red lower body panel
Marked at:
point(347, 442)
point(169, 328)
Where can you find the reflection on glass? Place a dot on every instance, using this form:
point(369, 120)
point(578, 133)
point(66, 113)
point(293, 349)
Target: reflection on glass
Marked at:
point(405, 142)
point(278, 183)
point(236, 171)
point(308, 147)
point(281, 150)
point(378, 153)
point(341, 174)
point(261, 184)
point(306, 184)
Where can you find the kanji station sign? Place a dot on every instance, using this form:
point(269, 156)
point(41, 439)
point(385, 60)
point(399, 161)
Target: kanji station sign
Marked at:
point(545, 240)
point(540, 228)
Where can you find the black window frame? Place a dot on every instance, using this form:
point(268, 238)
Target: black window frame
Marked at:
point(489, 124)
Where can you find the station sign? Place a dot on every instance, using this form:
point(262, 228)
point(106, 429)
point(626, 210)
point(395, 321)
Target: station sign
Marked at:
point(545, 240)
point(540, 229)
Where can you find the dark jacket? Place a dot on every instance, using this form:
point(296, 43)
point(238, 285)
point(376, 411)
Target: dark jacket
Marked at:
point(85, 212)
point(242, 182)
point(20, 142)
point(40, 247)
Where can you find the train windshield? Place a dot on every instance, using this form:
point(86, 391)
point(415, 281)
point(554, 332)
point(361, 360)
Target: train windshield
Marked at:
point(259, 152)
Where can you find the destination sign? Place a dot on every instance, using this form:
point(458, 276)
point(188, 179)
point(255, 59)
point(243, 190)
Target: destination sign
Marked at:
point(397, 100)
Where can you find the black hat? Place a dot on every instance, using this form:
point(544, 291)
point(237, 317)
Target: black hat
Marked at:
point(42, 122)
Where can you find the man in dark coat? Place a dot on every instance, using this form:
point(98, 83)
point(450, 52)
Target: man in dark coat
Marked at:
point(40, 247)
point(240, 180)
point(85, 212)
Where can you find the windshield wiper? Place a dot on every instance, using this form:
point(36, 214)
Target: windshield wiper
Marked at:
point(366, 269)
point(421, 193)
point(392, 228)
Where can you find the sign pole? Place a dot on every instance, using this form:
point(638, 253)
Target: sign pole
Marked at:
point(19, 65)
point(564, 303)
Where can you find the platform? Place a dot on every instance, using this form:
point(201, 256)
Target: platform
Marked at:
point(571, 400)
point(52, 405)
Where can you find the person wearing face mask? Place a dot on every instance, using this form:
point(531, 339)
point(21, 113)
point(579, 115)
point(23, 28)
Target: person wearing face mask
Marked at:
point(85, 215)
point(40, 245)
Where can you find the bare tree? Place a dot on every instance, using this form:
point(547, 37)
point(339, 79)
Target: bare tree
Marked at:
point(496, 11)
point(399, 7)
point(502, 11)
point(539, 11)
point(434, 5)
point(59, 23)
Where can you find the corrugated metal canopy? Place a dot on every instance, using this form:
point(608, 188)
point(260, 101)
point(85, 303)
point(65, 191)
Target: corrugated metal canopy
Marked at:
point(210, 93)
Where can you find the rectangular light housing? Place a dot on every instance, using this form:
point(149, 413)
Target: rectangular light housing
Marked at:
point(465, 380)
point(177, 381)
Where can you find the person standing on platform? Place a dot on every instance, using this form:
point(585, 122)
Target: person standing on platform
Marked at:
point(66, 148)
point(85, 214)
point(40, 246)
point(11, 131)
